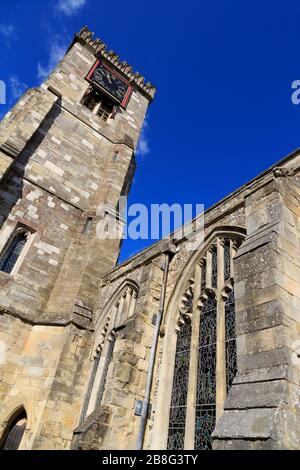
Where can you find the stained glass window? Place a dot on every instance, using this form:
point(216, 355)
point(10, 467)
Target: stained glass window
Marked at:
point(214, 271)
point(206, 379)
point(13, 252)
point(230, 340)
point(180, 389)
point(207, 374)
point(226, 260)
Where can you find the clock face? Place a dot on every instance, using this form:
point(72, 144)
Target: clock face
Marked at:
point(106, 79)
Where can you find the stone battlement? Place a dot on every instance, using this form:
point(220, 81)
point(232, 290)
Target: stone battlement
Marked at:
point(99, 49)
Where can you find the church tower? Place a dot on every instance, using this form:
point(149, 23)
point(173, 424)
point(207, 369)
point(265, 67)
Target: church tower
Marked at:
point(66, 156)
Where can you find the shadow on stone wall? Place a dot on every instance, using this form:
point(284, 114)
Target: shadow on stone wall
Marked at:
point(13, 181)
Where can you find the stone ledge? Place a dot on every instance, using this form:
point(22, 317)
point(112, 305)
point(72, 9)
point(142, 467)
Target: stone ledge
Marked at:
point(61, 320)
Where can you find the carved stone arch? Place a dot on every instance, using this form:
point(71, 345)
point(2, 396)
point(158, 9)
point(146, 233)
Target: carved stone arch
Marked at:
point(12, 408)
point(228, 287)
point(205, 294)
point(98, 349)
point(188, 271)
point(175, 316)
point(115, 297)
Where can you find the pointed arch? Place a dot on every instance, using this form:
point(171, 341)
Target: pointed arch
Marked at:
point(238, 233)
point(107, 310)
point(111, 319)
point(14, 431)
point(206, 278)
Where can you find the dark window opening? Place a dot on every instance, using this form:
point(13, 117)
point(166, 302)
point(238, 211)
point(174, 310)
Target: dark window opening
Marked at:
point(95, 99)
point(14, 432)
point(91, 99)
point(88, 225)
point(106, 109)
point(12, 253)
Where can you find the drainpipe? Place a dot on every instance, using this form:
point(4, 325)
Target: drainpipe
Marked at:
point(145, 407)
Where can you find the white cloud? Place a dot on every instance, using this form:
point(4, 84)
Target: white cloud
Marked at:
point(57, 51)
point(8, 31)
point(70, 7)
point(143, 147)
point(16, 87)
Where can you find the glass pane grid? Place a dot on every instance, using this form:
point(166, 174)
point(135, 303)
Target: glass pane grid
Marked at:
point(214, 278)
point(206, 379)
point(8, 261)
point(176, 430)
point(226, 261)
point(203, 276)
point(230, 343)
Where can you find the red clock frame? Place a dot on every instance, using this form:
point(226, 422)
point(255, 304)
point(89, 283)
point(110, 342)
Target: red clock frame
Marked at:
point(129, 90)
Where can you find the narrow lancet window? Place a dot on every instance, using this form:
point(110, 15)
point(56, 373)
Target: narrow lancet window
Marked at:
point(180, 388)
point(206, 380)
point(12, 253)
point(230, 340)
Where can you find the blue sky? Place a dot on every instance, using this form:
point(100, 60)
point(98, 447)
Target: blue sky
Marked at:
point(223, 69)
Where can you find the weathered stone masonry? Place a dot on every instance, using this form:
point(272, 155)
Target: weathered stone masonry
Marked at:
point(59, 163)
point(76, 330)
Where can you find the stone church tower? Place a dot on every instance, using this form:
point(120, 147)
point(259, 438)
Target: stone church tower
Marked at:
point(66, 149)
point(176, 348)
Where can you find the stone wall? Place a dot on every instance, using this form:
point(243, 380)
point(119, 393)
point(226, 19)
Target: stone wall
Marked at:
point(262, 409)
point(261, 207)
point(59, 164)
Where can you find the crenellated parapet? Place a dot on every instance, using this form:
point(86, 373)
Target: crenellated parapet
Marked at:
point(99, 49)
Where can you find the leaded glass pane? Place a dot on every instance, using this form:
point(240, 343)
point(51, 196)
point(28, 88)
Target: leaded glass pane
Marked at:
point(230, 337)
point(214, 260)
point(206, 379)
point(180, 388)
point(226, 261)
point(205, 424)
point(13, 252)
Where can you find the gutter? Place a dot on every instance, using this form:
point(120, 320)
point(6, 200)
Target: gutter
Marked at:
point(145, 406)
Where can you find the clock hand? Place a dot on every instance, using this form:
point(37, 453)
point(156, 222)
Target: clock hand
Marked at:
point(108, 77)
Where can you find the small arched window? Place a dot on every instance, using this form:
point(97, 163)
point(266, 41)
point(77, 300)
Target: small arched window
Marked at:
point(117, 313)
point(14, 432)
point(11, 255)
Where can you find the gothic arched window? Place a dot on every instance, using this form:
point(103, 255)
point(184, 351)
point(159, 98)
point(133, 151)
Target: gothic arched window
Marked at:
point(180, 388)
point(12, 253)
point(116, 315)
point(213, 329)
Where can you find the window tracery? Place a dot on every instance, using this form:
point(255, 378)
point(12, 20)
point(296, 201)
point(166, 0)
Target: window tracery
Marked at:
point(117, 314)
point(216, 351)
